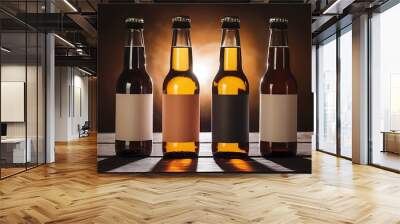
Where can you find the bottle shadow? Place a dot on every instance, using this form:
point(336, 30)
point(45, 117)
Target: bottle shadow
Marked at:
point(115, 162)
point(242, 165)
point(214, 164)
point(296, 164)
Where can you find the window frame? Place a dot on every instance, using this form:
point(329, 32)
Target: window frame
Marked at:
point(337, 35)
point(380, 9)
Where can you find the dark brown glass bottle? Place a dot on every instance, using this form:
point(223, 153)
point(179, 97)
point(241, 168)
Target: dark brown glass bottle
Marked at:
point(278, 96)
point(134, 97)
point(180, 103)
point(230, 97)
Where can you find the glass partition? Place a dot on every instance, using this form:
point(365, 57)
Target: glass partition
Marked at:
point(13, 105)
point(22, 66)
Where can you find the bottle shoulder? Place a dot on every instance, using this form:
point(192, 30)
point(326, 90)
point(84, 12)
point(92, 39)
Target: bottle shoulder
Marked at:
point(278, 82)
point(181, 83)
point(230, 83)
point(234, 74)
point(139, 82)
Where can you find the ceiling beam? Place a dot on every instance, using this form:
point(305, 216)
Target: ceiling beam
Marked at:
point(84, 24)
point(82, 61)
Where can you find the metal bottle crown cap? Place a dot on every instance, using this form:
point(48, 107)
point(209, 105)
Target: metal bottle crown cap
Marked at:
point(230, 22)
point(181, 22)
point(278, 23)
point(134, 23)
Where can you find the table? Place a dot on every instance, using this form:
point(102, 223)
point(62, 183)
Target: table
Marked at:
point(391, 141)
point(108, 162)
point(13, 150)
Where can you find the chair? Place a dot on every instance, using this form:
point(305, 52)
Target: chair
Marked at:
point(84, 130)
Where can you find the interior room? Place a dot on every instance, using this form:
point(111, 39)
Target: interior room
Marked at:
point(88, 134)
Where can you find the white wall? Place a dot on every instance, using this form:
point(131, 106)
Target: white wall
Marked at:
point(80, 111)
point(71, 102)
point(16, 73)
point(62, 82)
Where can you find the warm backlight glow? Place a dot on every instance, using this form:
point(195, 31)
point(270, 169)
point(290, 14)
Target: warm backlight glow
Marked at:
point(205, 65)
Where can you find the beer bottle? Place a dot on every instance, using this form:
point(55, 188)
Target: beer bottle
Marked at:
point(180, 100)
point(278, 99)
point(230, 96)
point(134, 97)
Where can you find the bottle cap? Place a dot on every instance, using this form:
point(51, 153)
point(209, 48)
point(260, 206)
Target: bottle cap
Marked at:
point(181, 22)
point(134, 23)
point(230, 22)
point(278, 23)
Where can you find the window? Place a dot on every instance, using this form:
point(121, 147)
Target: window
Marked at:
point(326, 61)
point(385, 89)
point(334, 94)
point(346, 72)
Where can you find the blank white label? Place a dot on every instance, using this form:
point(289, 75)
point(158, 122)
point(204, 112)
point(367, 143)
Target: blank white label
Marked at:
point(278, 118)
point(134, 117)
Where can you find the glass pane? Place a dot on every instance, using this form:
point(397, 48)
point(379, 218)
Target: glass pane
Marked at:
point(13, 89)
point(327, 96)
point(32, 98)
point(385, 84)
point(346, 94)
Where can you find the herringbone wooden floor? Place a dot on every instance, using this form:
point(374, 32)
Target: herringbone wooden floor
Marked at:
point(71, 191)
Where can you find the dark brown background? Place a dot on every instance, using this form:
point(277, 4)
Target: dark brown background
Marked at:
point(206, 37)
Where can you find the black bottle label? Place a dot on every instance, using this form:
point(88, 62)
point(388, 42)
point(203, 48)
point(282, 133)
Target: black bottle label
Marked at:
point(230, 118)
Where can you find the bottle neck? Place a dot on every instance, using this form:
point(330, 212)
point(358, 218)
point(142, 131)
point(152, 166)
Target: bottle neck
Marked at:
point(278, 50)
point(181, 51)
point(230, 54)
point(134, 53)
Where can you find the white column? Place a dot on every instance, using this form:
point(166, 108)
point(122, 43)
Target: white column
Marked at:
point(50, 92)
point(360, 89)
point(50, 99)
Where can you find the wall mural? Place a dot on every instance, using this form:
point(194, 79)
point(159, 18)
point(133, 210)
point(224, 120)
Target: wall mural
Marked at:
point(204, 88)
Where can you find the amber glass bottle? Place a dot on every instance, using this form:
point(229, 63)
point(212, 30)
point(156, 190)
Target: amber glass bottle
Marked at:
point(230, 97)
point(180, 101)
point(278, 99)
point(134, 97)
